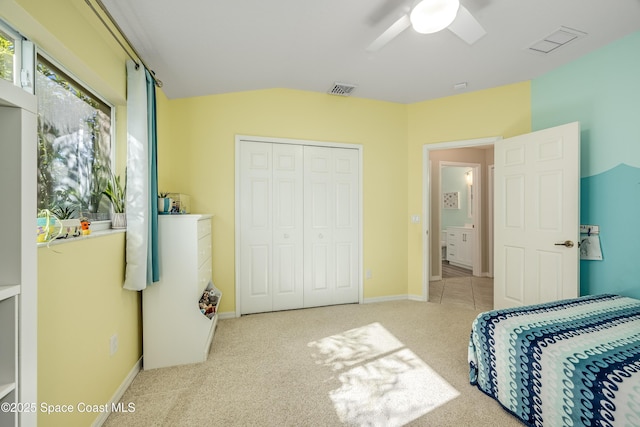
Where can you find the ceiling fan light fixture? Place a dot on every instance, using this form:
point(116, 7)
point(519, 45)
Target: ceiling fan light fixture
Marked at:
point(431, 16)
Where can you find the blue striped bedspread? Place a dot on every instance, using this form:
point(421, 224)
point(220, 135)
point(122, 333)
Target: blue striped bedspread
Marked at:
point(565, 363)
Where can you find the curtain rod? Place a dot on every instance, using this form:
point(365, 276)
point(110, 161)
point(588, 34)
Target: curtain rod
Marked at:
point(136, 59)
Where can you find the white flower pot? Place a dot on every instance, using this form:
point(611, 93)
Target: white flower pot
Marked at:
point(119, 220)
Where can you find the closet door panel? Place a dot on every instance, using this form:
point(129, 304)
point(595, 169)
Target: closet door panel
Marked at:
point(344, 265)
point(259, 266)
point(287, 226)
point(346, 225)
point(319, 253)
point(256, 229)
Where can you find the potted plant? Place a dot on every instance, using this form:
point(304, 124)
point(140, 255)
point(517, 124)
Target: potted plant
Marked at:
point(117, 195)
point(70, 225)
point(164, 203)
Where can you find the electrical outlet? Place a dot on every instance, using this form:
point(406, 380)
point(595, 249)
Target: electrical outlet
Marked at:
point(368, 273)
point(113, 344)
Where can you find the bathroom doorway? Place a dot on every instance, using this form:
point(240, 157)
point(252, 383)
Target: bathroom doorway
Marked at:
point(458, 213)
point(475, 152)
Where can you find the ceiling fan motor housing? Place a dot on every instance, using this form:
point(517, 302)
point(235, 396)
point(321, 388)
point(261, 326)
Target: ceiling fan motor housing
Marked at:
point(431, 16)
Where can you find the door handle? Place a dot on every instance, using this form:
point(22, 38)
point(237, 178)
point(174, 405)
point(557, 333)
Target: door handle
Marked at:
point(566, 243)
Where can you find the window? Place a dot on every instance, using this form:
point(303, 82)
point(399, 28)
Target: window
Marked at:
point(17, 57)
point(7, 55)
point(74, 145)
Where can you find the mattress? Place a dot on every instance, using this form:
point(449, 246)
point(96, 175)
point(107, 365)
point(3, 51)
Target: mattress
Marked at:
point(566, 363)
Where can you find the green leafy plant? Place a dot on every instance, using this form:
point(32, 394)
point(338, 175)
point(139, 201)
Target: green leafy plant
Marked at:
point(64, 212)
point(116, 192)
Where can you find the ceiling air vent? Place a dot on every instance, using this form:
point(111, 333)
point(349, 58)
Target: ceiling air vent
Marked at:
point(341, 89)
point(558, 38)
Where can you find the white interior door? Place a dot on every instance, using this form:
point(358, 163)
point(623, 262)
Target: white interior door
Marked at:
point(271, 233)
point(256, 227)
point(537, 190)
point(331, 226)
point(287, 226)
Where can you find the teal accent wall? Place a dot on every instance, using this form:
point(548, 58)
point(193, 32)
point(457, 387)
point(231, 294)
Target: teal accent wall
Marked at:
point(602, 91)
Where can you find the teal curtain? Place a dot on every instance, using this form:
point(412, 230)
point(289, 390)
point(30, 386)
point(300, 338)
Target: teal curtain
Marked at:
point(153, 267)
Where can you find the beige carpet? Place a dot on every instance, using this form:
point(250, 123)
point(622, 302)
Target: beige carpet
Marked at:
point(383, 364)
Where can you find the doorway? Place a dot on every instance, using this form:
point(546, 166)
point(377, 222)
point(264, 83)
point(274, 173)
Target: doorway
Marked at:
point(476, 152)
point(545, 165)
point(460, 215)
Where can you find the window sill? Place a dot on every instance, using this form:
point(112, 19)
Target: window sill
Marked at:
point(93, 235)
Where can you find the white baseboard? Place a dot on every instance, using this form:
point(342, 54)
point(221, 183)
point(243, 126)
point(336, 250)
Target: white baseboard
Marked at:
point(119, 393)
point(227, 315)
point(384, 299)
point(420, 298)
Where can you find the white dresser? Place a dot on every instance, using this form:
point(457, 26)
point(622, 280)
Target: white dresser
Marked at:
point(460, 246)
point(175, 331)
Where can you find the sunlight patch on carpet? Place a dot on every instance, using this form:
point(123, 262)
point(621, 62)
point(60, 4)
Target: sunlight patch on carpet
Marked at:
point(355, 346)
point(391, 386)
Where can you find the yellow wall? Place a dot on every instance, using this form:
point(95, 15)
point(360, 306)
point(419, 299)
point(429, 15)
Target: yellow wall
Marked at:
point(199, 160)
point(81, 304)
point(503, 111)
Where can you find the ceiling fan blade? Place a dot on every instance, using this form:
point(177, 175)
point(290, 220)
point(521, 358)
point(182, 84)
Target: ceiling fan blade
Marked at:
point(385, 10)
point(390, 33)
point(466, 26)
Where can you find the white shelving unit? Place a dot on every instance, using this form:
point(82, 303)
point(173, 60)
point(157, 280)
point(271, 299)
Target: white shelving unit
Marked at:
point(175, 331)
point(8, 350)
point(18, 253)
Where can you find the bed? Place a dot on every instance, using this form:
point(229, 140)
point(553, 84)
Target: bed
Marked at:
point(573, 362)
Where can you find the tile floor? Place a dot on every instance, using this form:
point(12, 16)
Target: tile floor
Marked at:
point(470, 291)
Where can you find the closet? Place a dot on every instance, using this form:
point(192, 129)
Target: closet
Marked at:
point(298, 228)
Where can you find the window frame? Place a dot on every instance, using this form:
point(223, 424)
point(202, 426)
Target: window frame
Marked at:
point(17, 38)
point(24, 58)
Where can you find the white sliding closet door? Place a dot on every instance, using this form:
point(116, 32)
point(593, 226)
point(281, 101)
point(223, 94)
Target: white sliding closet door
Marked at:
point(298, 236)
point(331, 226)
point(270, 227)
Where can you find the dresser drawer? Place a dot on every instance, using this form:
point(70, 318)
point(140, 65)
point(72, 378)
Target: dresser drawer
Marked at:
point(204, 228)
point(204, 249)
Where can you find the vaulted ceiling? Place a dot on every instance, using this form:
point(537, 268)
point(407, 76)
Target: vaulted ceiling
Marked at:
point(203, 47)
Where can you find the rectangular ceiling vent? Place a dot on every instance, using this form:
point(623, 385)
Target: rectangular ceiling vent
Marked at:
point(341, 89)
point(555, 40)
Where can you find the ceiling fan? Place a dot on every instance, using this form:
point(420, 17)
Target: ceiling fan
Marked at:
point(431, 16)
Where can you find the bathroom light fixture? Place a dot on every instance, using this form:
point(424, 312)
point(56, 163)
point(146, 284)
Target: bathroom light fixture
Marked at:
point(469, 177)
point(431, 16)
